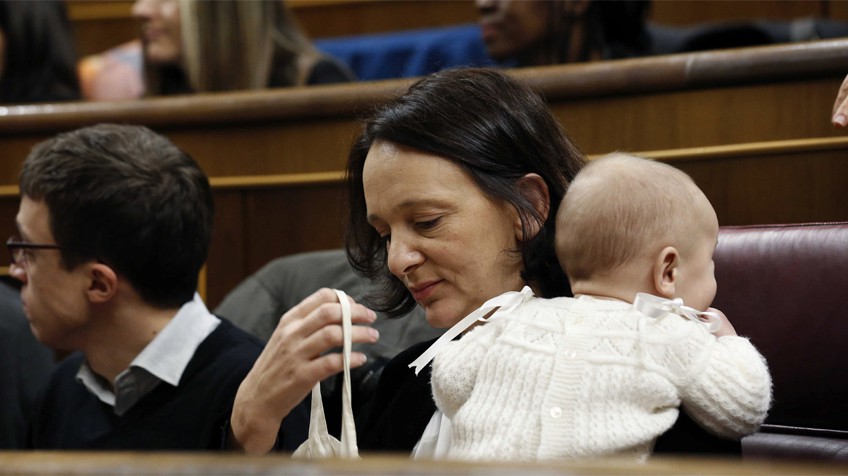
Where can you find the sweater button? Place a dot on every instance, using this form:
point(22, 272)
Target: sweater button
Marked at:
point(572, 355)
point(556, 412)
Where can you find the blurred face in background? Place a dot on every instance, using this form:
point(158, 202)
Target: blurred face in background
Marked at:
point(511, 28)
point(160, 30)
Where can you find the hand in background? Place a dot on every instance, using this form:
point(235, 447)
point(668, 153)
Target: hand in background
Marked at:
point(840, 106)
point(726, 328)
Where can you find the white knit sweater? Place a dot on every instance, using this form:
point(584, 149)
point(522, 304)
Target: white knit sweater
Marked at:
point(566, 378)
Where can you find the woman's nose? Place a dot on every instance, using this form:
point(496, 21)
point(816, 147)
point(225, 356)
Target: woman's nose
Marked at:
point(403, 256)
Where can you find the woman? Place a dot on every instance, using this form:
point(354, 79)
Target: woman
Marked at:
point(204, 46)
point(454, 188)
point(460, 207)
point(545, 32)
point(37, 57)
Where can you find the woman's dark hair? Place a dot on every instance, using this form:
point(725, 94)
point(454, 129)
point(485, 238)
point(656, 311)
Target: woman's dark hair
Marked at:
point(497, 130)
point(40, 61)
point(611, 29)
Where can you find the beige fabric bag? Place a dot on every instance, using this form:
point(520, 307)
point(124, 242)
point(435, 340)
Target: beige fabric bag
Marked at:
point(320, 443)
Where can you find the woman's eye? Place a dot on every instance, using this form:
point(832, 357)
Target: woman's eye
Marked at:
point(428, 224)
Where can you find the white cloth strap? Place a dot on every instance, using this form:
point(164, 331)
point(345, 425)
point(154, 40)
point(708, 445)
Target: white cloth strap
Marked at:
point(654, 306)
point(502, 304)
point(349, 448)
point(320, 444)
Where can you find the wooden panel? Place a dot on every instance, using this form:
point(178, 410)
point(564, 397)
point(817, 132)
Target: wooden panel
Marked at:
point(267, 148)
point(288, 220)
point(226, 264)
point(221, 463)
point(701, 117)
point(779, 182)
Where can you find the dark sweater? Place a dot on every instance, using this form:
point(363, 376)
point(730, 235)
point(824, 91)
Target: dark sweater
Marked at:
point(25, 366)
point(192, 416)
point(396, 417)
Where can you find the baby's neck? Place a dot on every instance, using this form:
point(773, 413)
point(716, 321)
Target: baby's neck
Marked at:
point(610, 289)
point(602, 297)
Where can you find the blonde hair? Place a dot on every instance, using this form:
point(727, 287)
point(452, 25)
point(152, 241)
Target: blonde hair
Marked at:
point(230, 45)
point(620, 207)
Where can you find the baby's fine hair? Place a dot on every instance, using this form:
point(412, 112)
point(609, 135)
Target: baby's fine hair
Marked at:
point(617, 208)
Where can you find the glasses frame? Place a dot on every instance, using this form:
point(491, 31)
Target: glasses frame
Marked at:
point(13, 244)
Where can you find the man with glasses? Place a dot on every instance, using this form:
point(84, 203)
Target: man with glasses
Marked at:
point(115, 223)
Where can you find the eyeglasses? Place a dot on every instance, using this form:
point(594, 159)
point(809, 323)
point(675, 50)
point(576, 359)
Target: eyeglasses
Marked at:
point(18, 249)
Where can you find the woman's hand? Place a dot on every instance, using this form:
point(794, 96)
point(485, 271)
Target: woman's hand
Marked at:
point(291, 364)
point(840, 106)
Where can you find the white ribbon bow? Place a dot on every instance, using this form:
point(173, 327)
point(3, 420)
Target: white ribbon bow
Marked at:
point(505, 303)
point(654, 306)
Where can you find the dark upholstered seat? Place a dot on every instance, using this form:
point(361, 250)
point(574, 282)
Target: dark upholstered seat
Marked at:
point(786, 287)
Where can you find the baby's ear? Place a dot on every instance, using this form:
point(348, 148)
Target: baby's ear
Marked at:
point(665, 272)
point(535, 190)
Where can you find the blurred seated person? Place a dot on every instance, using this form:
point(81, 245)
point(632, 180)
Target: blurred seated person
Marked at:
point(198, 46)
point(25, 366)
point(37, 56)
point(545, 32)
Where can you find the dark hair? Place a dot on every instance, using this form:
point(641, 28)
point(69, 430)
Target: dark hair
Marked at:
point(611, 29)
point(497, 130)
point(129, 198)
point(40, 63)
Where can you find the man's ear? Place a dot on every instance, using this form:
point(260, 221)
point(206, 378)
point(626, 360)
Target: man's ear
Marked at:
point(665, 272)
point(535, 191)
point(103, 285)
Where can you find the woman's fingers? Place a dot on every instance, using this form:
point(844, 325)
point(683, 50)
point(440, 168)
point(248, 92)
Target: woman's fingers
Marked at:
point(294, 360)
point(840, 106)
point(319, 310)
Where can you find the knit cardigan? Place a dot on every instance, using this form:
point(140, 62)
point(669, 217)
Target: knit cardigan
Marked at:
point(566, 378)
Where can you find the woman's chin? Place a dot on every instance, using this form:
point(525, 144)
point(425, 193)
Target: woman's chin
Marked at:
point(440, 318)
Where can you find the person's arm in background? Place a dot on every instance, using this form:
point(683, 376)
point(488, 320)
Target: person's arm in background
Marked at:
point(840, 106)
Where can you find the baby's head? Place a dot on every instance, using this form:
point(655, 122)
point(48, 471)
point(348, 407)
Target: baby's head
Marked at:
point(629, 225)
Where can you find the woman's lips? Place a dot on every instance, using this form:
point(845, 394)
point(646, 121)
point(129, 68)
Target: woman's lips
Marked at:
point(423, 291)
point(488, 30)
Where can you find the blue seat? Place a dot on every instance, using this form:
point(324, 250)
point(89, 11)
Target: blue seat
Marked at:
point(409, 53)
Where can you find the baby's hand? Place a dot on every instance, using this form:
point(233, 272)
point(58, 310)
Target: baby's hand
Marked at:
point(726, 328)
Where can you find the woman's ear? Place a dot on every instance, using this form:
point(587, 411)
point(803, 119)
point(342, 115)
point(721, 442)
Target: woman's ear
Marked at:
point(534, 189)
point(103, 285)
point(665, 272)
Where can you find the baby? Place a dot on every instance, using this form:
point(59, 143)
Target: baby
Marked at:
point(605, 372)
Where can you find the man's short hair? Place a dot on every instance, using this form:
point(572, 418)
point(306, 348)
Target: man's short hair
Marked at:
point(130, 198)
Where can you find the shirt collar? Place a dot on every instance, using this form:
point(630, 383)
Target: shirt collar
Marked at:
point(166, 356)
point(169, 353)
